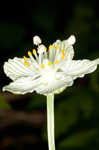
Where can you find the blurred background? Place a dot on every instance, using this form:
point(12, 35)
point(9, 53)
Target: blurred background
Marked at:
point(23, 118)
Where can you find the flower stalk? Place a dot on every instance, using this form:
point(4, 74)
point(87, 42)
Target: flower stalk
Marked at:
point(50, 121)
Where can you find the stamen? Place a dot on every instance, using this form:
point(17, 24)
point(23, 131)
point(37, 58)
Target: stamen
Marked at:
point(57, 47)
point(29, 53)
point(62, 56)
point(43, 66)
point(25, 58)
point(51, 47)
point(63, 52)
point(41, 49)
point(37, 40)
point(56, 62)
point(45, 49)
point(34, 51)
point(26, 64)
point(49, 63)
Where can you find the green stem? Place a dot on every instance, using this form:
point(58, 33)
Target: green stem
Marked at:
point(50, 121)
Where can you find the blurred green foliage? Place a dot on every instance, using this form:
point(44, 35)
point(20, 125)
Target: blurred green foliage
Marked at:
point(3, 103)
point(37, 102)
point(79, 140)
point(11, 35)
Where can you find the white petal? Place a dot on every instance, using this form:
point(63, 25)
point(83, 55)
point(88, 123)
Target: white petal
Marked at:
point(79, 68)
point(68, 48)
point(22, 86)
point(59, 83)
point(52, 51)
point(69, 51)
point(15, 68)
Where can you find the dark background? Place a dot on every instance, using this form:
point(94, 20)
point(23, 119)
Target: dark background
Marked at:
point(23, 118)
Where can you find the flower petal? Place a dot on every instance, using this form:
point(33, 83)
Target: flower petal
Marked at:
point(15, 68)
point(66, 45)
point(69, 51)
point(22, 85)
point(79, 68)
point(61, 82)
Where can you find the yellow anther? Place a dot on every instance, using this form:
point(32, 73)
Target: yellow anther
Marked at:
point(63, 52)
point(26, 63)
point(34, 51)
point(57, 47)
point(51, 47)
point(43, 66)
point(25, 58)
point(29, 53)
point(49, 63)
point(62, 56)
point(45, 49)
point(56, 61)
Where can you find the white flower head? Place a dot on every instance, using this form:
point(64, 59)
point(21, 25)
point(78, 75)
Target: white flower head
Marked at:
point(47, 71)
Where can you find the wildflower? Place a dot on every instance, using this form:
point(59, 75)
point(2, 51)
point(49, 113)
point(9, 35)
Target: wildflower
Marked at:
point(47, 71)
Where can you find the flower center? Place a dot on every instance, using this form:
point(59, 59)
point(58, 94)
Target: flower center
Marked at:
point(48, 75)
point(43, 58)
point(48, 72)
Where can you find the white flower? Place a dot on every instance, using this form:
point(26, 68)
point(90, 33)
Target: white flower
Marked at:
point(48, 71)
